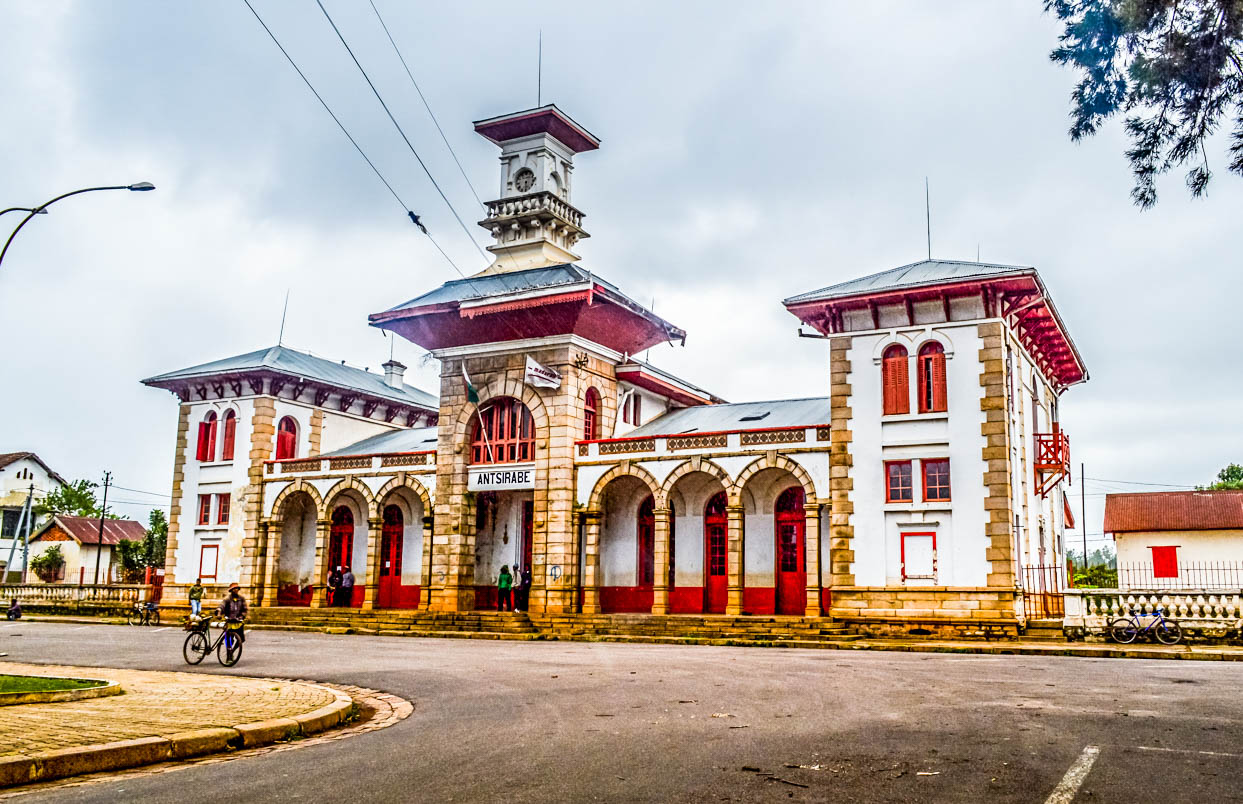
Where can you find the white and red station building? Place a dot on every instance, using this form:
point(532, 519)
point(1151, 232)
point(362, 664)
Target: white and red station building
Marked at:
point(622, 487)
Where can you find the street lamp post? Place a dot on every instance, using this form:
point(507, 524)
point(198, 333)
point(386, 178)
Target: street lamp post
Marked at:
point(141, 186)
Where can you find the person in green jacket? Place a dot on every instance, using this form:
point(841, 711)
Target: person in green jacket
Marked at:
point(505, 590)
point(196, 598)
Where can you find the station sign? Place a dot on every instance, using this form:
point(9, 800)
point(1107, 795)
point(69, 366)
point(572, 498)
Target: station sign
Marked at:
point(510, 477)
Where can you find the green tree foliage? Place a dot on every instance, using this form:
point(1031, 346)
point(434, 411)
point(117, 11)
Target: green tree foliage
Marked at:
point(135, 557)
point(1174, 68)
point(1097, 576)
point(48, 563)
point(1229, 478)
point(72, 499)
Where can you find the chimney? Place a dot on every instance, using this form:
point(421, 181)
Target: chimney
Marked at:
point(393, 373)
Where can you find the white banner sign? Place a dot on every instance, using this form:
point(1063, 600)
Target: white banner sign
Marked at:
point(541, 376)
point(501, 478)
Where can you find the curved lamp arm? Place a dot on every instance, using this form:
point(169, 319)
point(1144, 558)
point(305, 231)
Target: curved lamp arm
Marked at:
point(42, 208)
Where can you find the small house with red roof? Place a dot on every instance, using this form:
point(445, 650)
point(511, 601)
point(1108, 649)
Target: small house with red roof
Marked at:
point(80, 541)
point(1177, 534)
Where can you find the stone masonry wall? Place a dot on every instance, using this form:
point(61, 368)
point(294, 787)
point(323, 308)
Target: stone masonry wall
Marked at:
point(262, 438)
point(841, 531)
point(174, 511)
point(996, 456)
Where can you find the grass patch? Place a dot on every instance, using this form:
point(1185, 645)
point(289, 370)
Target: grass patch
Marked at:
point(43, 684)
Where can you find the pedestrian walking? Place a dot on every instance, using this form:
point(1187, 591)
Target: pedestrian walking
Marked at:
point(196, 598)
point(505, 590)
point(334, 583)
point(347, 587)
point(525, 586)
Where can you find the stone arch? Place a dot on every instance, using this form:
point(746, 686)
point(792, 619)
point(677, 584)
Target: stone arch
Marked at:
point(396, 483)
point(624, 470)
point(697, 464)
point(780, 462)
point(345, 487)
point(290, 490)
point(933, 335)
point(501, 388)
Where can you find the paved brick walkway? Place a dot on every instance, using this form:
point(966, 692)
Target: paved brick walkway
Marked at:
point(153, 705)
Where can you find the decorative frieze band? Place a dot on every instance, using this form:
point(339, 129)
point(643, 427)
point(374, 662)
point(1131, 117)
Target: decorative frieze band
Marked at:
point(406, 460)
point(309, 465)
point(697, 442)
point(349, 463)
point(636, 445)
point(775, 437)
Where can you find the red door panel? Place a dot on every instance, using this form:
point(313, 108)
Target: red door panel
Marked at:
point(647, 544)
point(716, 555)
point(790, 552)
point(391, 543)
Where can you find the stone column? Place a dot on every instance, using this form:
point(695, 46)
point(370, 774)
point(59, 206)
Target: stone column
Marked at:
point(811, 551)
point(425, 594)
point(270, 533)
point(323, 529)
point(841, 464)
point(375, 537)
point(660, 590)
point(735, 570)
point(591, 574)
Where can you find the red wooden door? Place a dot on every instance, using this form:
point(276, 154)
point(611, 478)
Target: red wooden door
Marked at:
point(392, 537)
point(647, 543)
point(716, 555)
point(528, 531)
point(791, 568)
point(341, 538)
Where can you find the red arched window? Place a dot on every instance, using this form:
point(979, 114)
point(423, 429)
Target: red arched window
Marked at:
point(591, 414)
point(504, 433)
point(932, 378)
point(287, 439)
point(894, 378)
point(207, 438)
point(230, 434)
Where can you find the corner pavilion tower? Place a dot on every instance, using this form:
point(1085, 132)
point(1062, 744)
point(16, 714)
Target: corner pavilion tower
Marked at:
point(531, 304)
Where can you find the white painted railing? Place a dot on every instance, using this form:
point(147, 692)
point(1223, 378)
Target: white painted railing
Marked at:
point(1210, 612)
point(73, 594)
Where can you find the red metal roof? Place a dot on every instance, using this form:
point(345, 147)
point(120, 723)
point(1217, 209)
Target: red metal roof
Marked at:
point(544, 120)
point(85, 529)
point(1173, 510)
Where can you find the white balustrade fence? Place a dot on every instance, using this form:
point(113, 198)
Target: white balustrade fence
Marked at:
point(1208, 612)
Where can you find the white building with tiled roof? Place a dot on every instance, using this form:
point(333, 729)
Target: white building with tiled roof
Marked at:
point(910, 499)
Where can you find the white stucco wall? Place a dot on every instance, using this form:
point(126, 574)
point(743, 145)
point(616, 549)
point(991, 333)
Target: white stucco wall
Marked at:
point(500, 543)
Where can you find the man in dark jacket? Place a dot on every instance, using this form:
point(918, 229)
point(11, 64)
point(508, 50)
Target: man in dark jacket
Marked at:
point(345, 590)
point(234, 609)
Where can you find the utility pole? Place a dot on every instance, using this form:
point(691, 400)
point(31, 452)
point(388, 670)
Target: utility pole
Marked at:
point(30, 528)
point(8, 565)
point(1083, 512)
point(103, 510)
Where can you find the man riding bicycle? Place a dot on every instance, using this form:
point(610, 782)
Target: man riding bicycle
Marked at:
point(234, 610)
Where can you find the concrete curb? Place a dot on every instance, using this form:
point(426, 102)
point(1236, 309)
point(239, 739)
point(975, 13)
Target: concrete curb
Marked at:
point(102, 690)
point(64, 762)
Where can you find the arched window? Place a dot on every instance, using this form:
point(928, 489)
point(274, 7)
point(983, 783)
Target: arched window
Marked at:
point(646, 538)
point(894, 378)
point(230, 434)
point(504, 433)
point(932, 378)
point(287, 439)
point(591, 414)
point(207, 438)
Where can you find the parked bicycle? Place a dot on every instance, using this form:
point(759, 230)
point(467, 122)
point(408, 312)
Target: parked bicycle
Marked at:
point(199, 643)
point(144, 614)
point(1127, 629)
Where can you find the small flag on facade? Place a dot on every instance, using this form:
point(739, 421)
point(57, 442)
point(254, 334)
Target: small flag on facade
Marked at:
point(472, 393)
point(541, 376)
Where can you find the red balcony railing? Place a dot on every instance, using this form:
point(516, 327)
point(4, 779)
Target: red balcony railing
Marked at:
point(1052, 459)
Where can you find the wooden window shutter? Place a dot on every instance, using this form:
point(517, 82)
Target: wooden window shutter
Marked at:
point(1165, 562)
point(201, 452)
point(894, 376)
point(938, 382)
point(230, 431)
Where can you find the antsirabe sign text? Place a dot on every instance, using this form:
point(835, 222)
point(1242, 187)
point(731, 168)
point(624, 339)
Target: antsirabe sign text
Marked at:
point(502, 478)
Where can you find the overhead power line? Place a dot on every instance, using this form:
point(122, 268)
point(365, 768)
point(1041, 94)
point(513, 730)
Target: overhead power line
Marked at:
point(1141, 483)
point(401, 131)
point(405, 207)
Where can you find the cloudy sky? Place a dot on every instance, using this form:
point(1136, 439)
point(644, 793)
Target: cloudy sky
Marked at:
point(751, 152)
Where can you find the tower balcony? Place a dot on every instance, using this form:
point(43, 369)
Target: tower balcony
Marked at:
point(1052, 461)
point(533, 208)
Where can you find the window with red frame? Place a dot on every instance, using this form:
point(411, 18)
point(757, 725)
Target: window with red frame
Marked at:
point(1164, 561)
point(206, 450)
point(204, 509)
point(936, 480)
point(898, 485)
point(208, 561)
point(230, 433)
point(897, 389)
point(287, 439)
point(222, 509)
point(504, 433)
point(591, 414)
point(932, 398)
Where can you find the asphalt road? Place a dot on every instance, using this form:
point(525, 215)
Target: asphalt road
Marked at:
point(566, 721)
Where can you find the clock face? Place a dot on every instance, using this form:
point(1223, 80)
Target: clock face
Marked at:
point(524, 180)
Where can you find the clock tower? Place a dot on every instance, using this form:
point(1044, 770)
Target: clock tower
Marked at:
point(534, 222)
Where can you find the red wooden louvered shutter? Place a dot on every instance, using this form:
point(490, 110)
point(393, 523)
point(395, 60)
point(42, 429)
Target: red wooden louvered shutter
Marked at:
point(938, 382)
point(896, 384)
point(230, 431)
point(932, 396)
point(200, 453)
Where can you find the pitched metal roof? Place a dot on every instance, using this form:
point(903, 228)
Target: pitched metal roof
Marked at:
point(85, 529)
point(418, 439)
point(924, 272)
point(7, 458)
point(284, 360)
point(1174, 510)
point(738, 416)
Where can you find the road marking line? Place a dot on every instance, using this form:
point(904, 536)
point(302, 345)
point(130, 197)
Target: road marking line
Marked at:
point(1069, 786)
point(11, 625)
point(83, 628)
point(1187, 751)
point(158, 630)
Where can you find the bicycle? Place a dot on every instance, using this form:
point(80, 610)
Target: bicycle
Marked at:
point(1126, 630)
point(228, 646)
point(144, 614)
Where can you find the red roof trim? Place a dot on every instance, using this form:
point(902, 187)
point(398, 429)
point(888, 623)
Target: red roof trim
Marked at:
point(550, 120)
point(523, 304)
point(637, 376)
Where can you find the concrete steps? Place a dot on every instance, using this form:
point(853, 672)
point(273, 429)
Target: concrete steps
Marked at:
point(1044, 631)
